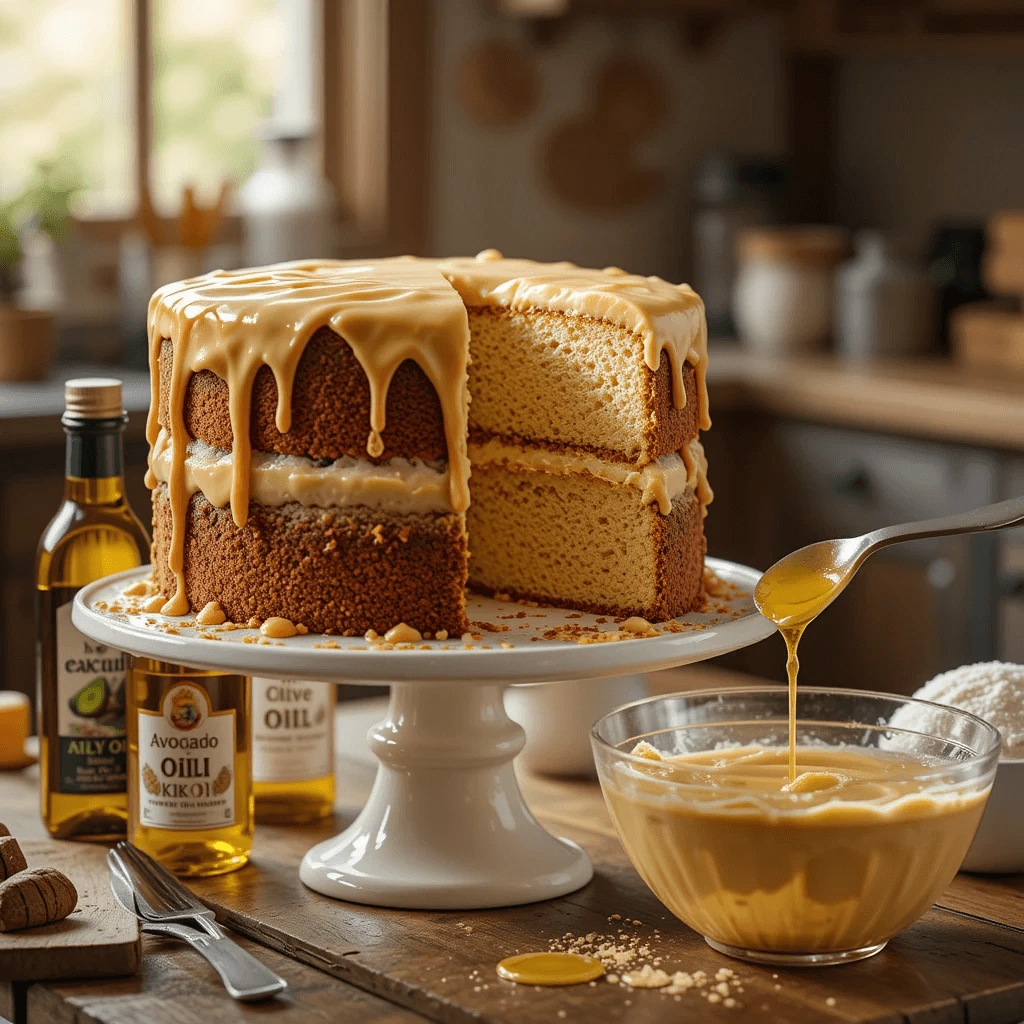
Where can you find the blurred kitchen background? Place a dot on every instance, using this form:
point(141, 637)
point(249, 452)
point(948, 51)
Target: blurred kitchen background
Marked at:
point(838, 179)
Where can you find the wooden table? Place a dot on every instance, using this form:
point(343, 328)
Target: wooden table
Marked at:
point(963, 962)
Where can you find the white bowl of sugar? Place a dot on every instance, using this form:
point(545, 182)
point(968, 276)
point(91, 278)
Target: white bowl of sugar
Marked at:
point(994, 691)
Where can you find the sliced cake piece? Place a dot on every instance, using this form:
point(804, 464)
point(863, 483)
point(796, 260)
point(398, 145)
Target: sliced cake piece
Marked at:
point(589, 482)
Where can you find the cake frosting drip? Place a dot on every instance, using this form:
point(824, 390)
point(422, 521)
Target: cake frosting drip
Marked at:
point(669, 317)
point(398, 485)
point(660, 481)
point(696, 463)
point(234, 322)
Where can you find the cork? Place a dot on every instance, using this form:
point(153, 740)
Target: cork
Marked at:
point(36, 897)
point(12, 860)
point(93, 398)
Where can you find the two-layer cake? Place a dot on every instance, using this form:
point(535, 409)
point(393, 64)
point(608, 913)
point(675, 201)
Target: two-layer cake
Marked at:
point(313, 426)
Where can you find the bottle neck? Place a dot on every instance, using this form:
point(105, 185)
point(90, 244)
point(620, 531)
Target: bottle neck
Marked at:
point(94, 461)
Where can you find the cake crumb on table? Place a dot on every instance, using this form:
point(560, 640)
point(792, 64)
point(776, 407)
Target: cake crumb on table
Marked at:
point(647, 977)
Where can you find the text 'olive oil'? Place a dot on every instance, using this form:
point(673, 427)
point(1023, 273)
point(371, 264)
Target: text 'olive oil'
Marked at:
point(190, 798)
point(81, 683)
point(292, 749)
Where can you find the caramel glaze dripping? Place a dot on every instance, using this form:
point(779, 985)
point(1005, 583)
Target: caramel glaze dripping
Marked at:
point(668, 317)
point(234, 322)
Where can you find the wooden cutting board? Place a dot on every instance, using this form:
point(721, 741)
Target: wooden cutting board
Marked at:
point(99, 940)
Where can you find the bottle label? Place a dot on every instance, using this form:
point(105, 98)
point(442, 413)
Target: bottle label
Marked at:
point(292, 730)
point(186, 762)
point(90, 711)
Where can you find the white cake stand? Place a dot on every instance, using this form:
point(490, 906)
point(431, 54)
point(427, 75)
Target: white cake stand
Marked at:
point(445, 826)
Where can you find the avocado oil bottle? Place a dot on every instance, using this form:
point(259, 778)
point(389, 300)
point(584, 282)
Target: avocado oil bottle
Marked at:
point(81, 683)
point(190, 794)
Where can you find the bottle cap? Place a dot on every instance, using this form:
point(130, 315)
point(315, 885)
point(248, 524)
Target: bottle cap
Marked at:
point(93, 398)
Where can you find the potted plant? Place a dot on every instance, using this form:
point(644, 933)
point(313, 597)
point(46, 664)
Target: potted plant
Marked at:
point(28, 336)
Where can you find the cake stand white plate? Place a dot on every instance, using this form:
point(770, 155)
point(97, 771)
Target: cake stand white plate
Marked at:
point(445, 826)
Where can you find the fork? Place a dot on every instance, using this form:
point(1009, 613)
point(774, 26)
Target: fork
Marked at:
point(172, 910)
point(177, 902)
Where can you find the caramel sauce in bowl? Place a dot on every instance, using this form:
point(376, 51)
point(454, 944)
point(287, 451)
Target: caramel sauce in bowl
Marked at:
point(821, 869)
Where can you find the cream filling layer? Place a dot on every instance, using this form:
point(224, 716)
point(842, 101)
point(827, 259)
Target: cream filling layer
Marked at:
point(411, 485)
point(659, 482)
point(399, 485)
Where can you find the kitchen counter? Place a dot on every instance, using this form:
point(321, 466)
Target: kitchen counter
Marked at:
point(932, 398)
point(924, 398)
point(964, 960)
point(30, 411)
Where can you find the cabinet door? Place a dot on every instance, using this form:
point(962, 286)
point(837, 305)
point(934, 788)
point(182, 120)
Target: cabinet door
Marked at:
point(1010, 570)
point(842, 483)
point(914, 609)
point(898, 624)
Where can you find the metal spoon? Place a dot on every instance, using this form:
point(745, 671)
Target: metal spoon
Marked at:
point(796, 588)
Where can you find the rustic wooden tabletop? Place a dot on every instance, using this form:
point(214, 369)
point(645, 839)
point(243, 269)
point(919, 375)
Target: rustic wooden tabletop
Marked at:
point(963, 962)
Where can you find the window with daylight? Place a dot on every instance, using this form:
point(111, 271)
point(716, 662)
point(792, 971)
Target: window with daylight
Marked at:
point(134, 100)
point(120, 95)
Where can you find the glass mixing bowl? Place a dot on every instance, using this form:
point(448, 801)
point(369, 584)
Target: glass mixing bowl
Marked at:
point(825, 873)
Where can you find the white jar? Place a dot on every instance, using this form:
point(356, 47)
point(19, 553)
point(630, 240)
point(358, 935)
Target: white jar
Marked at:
point(558, 717)
point(782, 301)
point(288, 210)
point(882, 306)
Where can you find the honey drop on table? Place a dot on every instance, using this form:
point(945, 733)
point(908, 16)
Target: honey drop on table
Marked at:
point(550, 969)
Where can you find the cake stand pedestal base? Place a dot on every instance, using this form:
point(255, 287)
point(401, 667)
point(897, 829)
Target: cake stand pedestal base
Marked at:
point(445, 826)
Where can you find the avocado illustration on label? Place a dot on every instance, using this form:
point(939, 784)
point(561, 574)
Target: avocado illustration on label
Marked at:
point(223, 780)
point(112, 715)
point(91, 700)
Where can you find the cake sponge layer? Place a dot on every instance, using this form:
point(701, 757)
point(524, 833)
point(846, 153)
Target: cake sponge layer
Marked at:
point(330, 407)
point(581, 542)
point(571, 380)
point(333, 570)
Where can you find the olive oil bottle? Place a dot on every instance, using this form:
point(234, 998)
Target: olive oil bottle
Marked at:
point(81, 684)
point(292, 750)
point(190, 797)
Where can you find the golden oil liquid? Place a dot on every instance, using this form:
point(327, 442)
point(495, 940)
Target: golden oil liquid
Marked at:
point(94, 533)
point(210, 849)
point(792, 599)
point(294, 803)
point(293, 736)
